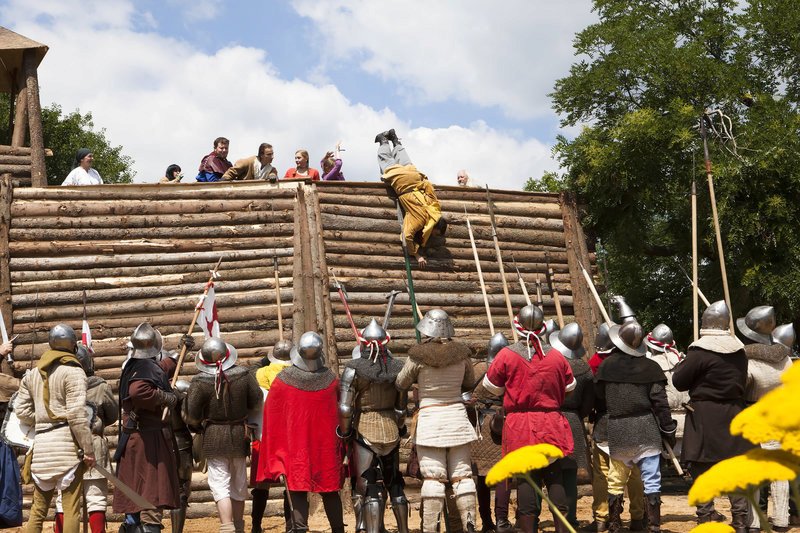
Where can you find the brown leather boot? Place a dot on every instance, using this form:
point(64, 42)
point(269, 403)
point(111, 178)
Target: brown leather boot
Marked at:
point(615, 512)
point(653, 509)
point(527, 524)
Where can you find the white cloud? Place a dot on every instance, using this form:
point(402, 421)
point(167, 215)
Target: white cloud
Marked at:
point(165, 101)
point(506, 54)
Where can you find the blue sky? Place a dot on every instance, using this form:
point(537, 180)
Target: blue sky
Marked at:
point(464, 82)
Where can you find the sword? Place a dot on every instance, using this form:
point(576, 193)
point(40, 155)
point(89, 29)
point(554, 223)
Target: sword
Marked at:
point(389, 306)
point(131, 494)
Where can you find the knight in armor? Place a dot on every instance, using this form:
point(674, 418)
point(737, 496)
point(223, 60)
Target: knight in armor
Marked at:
point(441, 429)
point(265, 374)
point(639, 417)
point(299, 443)
point(146, 452)
point(53, 398)
point(576, 407)
point(219, 400)
point(103, 405)
point(371, 416)
point(484, 451)
point(766, 361)
point(714, 373)
point(533, 384)
point(661, 349)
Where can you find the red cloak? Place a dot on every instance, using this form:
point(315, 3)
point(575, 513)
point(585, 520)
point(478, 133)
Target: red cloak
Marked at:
point(299, 438)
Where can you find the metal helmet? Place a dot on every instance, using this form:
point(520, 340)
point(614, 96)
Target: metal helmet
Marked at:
point(373, 333)
point(628, 337)
point(785, 335)
point(531, 318)
point(661, 334)
point(281, 352)
point(568, 341)
point(551, 325)
point(215, 354)
point(85, 358)
point(602, 341)
point(716, 316)
point(146, 341)
point(496, 343)
point(308, 355)
point(436, 324)
point(62, 338)
point(626, 313)
point(757, 324)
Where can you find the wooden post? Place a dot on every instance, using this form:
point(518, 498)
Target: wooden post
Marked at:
point(6, 194)
point(298, 283)
point(577, 252)
point(20, 115)
point(38, 170)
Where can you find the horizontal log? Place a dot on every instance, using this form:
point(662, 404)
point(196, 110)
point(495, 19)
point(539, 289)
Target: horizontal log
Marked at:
point(21, 150)
point(355, 285)
point(397, 262)
point(442, 192)
point(455, 311)
point(191, 232)
point(8, 159)
point(154, 191)
point(20, 182)
point(155, 221)
point(441, 300)
point(145, 259)
point(29, 208)
point(15, 169)
point(395, 278)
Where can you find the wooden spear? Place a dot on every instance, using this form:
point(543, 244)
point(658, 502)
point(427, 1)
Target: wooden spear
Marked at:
point(539, 300)
point(500, 264)
point(480, 273)
point(522, 284)
point(554, 292)
point(597, 299)
point(718, 233)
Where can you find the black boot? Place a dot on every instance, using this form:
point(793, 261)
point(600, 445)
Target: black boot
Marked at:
point(638, 524)
point(392, 136)
point(528, 524)
point(383, 137)
point(653, 509)
point(504, 526)
point(614, 512)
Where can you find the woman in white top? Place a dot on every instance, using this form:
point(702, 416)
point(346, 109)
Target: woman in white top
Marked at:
point(83, 173)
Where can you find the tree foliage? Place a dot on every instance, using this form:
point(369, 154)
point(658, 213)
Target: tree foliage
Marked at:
point(65, 134)
point(647, 71)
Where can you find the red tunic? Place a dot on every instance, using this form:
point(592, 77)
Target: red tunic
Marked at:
point(534, 393)
point(596, 359)
point(299, 438)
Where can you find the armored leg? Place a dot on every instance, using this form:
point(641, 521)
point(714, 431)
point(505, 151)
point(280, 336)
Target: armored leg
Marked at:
point(373, 514)
point(365, 487)
point(358, 506)
point(178, 519)
point(400, 510)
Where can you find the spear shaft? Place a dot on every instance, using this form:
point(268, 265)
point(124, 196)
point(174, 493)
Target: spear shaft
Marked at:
point(480, 274)
point(500, 265)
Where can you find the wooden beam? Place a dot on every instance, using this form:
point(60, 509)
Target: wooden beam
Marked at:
point(6, 194)
point(38, 169)
point(20, 115)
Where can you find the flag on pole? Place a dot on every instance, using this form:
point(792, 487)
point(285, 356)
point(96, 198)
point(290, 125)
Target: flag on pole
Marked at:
point(208, 318)
point(86, 336)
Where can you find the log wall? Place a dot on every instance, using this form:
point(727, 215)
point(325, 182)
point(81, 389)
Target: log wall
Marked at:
point(143, 253)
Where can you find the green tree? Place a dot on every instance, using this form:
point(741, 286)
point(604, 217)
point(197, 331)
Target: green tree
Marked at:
point(647, 72)
point(549, 182)
point(64, 134)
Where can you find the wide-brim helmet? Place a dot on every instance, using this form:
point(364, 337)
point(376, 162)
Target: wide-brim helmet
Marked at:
point(757, 324)
point(62, 338)
point(496, 343)
point(602, 342)
point(568, 341)
point(281, 352)
point(436, 324)
point(629, 338)
point(785, 335)
point(215, 355)
point(308, 354)
point(660, 334)
point(146, 341)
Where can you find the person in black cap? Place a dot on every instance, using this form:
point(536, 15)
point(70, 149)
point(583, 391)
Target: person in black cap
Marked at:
point(83, 173)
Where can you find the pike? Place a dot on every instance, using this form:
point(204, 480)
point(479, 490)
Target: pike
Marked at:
point(553, 291)
point(500, 264)
point(480, 273)
point(717, 232)
point(522, 284)
point(214, 275)
point(392, 297)
point(409, 279)
point(539, 300)
point(343, 296)
point(699, 292)
point(693, 279)
point(597, 299)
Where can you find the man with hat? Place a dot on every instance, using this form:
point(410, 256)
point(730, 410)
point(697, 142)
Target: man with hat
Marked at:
point(441, 429)
point(271, 366)
point(146, 455)
point(53, 398)
point(576, 407)
point(371, 415)
point(714, 372)
point(661, 349)
point(533, 385)
point(299, 444)
point(634, 389)
point(219, 400)
point(766, 361)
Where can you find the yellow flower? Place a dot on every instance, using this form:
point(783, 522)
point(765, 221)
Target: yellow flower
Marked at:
point(712, 527)
point(522, 460)
point(792, 375)
point(742, 473)
point(781, 407)
point(753, 426)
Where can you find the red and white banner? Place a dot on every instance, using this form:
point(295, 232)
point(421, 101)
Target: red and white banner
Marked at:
point(208, 320)
point(86, 336)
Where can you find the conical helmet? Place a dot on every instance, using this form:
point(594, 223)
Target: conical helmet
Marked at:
point(62, 338)
point(436, 324)
point(785, 335)
point(628, 337)
point(660, 337)
point(569, 341)
point(373, 334)
point(496, 343)
point(716, 316)
point(308, 354)
point(530, 318)
point(757, 324)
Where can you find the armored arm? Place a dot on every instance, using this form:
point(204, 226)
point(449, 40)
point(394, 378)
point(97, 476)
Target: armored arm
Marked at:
point(347, 399)
point(401, 408)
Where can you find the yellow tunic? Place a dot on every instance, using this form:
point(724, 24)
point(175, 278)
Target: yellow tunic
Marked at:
point(419, 201)
point(266, 374)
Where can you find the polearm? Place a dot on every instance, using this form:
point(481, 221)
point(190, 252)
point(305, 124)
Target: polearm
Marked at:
point(409, 280)
point(278, 297)
point(343, 296)
point(695, 286)
point(480, 273)
point(522, 283)
point(500, 264)
point(718, 233)
point(199, 307)
point(699, 292)
point(539, 300)
point(554, 292)
point(597, 299)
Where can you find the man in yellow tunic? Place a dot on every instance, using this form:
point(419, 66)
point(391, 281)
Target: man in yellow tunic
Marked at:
point(423, 214)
